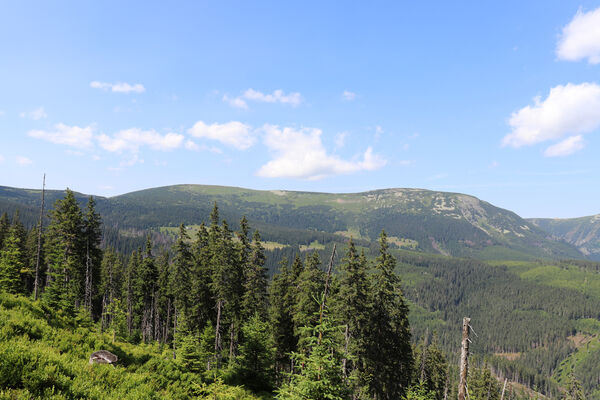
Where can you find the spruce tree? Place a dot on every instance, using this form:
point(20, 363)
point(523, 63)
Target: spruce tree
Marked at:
point(11, 262)
point(352, 309)
point(388, 353)
point(280, 315)
point(181, 272)
point(4, 227)
point(92, 236)
point(255, 281)
point(310, 284)
point(319, 367)
point(64, 247)
point(254, 365)
point(202, 307)
point(148, 276)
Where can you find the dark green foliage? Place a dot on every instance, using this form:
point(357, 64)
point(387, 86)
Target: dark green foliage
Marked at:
point(11, 262)
point(254, 365)
point(310, 283)
point(430, 370)
point(282, 300)
point(319, 367)
point(388, 354)
point(482, 385)
point(255, 281)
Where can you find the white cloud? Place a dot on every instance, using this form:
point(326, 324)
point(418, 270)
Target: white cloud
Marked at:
point(74, 136)
point(134, 138)
point(340, 139)
point(23, 161)
point(236, 102)
point(567, 111)
point(580, 39)
point(299, 153)
point(348, 95)
point(278, 96)
point(36, 114)
point(567, 147)
point(118, 87)
point(234, 133)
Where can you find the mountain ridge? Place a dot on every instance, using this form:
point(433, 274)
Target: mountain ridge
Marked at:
point(430, 221)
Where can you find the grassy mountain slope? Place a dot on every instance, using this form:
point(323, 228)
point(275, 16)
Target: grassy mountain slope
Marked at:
point(584, 232)
point(438, 222)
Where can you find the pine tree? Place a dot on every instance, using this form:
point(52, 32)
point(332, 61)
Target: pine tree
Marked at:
point(319, 368)
point(11, 262)
point(280, 315)
point(352, 309)
point(310, 284)
point(4, 227)
point(110, 283)
point(64, 247)
point(92, 236)
point(255, 281)
point(148, 276)
point(388, 354)
point(483, 385)
point(181, 272)
point(431, 369)
point(202, 308)
point(254, 366)
point(131, 291)
point(575, 390)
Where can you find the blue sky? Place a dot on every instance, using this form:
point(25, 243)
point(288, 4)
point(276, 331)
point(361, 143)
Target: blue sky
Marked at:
point(500, 100)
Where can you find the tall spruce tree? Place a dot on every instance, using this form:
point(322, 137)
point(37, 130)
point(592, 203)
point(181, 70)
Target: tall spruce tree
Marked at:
point(148, 276)
point(388, 353)
point(280, 315)
point(4, 227)
point(255, 281)
point(310, 284)
point(11, 262)
point(64, 252)
point(353, 311)
point(92, 236)
point(202, 306)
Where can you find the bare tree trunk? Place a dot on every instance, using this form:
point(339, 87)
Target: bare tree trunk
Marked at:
point(503, 389)
point(87, 301)
point(168, 322)
point(39, 244)
point(464, 360)
point(231, 342)
point(174, 331)
point(345, 359)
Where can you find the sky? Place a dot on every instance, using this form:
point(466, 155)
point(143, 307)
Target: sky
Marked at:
point(500, 100)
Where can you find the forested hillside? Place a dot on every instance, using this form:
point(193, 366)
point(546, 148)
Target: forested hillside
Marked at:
point(206, 307)
point(434, 222)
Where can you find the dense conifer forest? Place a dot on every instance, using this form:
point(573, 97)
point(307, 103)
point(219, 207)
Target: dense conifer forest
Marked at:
point(205, 315)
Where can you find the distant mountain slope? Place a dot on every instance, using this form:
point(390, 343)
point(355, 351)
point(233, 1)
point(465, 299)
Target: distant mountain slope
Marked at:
point(583, 232)
point(430, 221)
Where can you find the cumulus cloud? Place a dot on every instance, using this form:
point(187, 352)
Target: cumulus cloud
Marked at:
point(567, 147)
point(234, 133)
point(134, 138)
point(340, 139)
point(299, 153)
point(193, 146)
point(23, 161)
point(118, 87)
point(580, 39)
point(348, 95)
point(569, 110)
point(73, 136)
point(278, 96)
point(35, 115)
